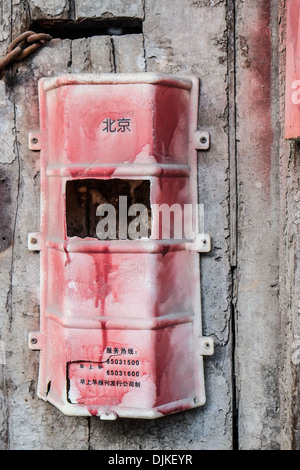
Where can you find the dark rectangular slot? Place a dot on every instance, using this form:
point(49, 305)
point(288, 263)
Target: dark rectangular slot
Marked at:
point(70, 29)
point(84, 196)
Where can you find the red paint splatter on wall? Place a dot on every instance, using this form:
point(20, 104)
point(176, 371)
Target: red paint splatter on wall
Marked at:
point(254, 95)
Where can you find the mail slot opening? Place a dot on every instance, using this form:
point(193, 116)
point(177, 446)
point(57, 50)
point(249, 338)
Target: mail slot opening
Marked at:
point(110, 209)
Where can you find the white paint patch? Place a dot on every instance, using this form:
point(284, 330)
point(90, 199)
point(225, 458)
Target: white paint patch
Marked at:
point(72, 285)
point(2, 353)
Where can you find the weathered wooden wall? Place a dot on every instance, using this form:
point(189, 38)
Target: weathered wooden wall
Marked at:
point(257, 314)
point(289, 174)
point(232, 48)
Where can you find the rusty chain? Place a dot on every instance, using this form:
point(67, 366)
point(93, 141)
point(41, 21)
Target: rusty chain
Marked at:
point(23, 46)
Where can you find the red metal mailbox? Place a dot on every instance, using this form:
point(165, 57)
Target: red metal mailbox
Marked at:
point(120, 309)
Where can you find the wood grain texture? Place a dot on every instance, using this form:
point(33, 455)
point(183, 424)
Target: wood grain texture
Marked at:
point(179, 37)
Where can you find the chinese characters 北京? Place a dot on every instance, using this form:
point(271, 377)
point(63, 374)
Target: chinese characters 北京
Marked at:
point(116, 125)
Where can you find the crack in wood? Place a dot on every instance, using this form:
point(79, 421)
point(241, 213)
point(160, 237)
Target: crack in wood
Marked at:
point(70, 29)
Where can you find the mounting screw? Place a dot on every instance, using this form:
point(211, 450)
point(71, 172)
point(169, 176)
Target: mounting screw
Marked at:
point(34, 241)
point(34, 340)
point(207, 346)
point(201, 140)
point(34, 140)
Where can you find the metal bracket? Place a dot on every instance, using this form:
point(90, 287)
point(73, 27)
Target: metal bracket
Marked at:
point(34, 241)
point(201, 140)
point(108, 416)
point(34, 140)
point(202, 243)
point(34, 340)
point(206, 346)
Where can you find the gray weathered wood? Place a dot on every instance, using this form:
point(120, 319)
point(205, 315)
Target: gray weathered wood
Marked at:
point(109, 9)
point(165, 47)
point(257, 309)
point(239, 299)
point(289, 266)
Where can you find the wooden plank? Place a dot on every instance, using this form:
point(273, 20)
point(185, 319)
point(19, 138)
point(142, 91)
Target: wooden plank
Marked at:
point(109, 9)
point(8, 191)
point(28, 422)
point(171, 43)
point(257, 309)
point(231, 57)
point(289, 168)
